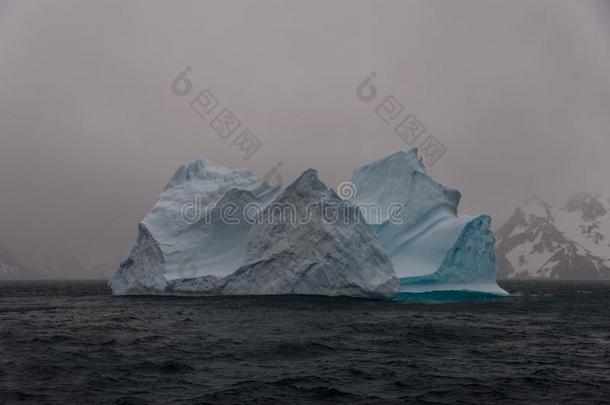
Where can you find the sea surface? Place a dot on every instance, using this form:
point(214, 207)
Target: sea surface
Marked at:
point(72, 343)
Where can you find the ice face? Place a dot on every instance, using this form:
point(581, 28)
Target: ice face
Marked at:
point(401, 179)
point(428, 225)
point(176, 243)
point(421, 248)
point(431, 247)
point(143, 270)
point(199, 242)
point(470, 263)
point(313, 254)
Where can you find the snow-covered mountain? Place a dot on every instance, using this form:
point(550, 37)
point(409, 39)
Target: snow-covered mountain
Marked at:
point(202, 237)
point(573, 242)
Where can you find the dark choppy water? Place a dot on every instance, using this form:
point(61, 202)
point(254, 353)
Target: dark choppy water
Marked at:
point(71, 343)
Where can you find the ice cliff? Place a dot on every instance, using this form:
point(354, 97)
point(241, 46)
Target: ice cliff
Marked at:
point(432, 248)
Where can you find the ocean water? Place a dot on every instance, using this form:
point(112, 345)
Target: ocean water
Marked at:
point(72, 343)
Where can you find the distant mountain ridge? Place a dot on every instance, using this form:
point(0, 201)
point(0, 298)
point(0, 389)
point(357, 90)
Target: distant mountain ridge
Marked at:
point(573, 242)
point(8, 266)
point(11, 269)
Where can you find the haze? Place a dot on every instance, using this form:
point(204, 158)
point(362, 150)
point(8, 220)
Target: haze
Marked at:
point(90, 131)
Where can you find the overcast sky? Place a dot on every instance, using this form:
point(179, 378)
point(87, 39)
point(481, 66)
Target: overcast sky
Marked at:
point(90, 130)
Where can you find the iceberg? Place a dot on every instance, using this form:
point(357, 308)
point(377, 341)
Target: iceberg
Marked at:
point(219, 231)
point(432, 248)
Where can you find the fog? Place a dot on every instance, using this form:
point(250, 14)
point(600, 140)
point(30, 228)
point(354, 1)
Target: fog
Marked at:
point(90, 130)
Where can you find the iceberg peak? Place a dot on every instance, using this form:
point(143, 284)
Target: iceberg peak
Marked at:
point(203, 170)
point(405, 160)
point(401, 179)
point(308, 180)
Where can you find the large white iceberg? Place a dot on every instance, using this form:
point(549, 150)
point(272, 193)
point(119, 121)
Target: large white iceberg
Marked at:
point(304, 239)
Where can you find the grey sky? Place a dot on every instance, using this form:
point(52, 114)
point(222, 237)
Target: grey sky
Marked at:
point(90, 132)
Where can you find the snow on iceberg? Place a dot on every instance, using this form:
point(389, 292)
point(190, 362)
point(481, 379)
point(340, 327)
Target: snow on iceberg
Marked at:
point(432, 248)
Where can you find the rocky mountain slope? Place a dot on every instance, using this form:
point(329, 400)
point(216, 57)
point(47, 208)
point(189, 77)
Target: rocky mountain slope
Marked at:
point(573, 242)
